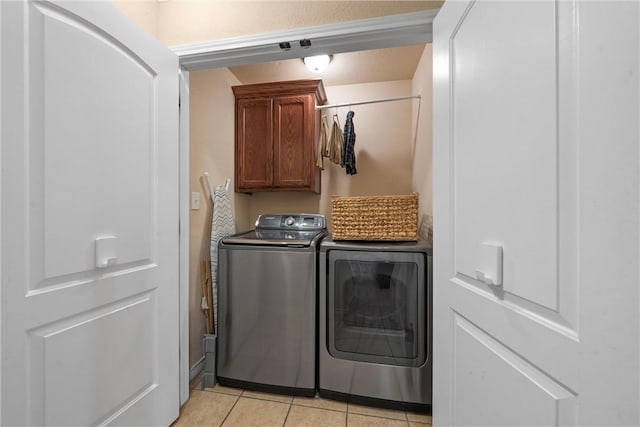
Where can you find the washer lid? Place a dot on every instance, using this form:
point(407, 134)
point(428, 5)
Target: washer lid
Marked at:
point(292, 222)
point(270, 237)
point(298, 230)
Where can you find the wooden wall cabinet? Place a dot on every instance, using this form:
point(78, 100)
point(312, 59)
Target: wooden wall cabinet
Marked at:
point(276, 130)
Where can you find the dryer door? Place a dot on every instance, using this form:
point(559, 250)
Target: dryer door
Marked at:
point(376, 307)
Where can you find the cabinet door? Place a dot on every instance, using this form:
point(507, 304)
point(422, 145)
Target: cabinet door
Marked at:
point(254, 144)
point(293, 141)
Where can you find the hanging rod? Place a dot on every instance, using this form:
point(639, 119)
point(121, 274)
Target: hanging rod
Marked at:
point(374, 101)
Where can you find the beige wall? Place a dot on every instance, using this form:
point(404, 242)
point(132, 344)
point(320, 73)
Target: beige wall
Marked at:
point(143, 12)
point(391, 159)
point(211, 150)
point(179, 22)
point(383, 152)
point(191, 21)
point(422, 146)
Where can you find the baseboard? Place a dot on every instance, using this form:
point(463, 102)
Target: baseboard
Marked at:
point(196, 368)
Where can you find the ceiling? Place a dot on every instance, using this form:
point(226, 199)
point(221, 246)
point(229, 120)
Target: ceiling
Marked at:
point(389, 64)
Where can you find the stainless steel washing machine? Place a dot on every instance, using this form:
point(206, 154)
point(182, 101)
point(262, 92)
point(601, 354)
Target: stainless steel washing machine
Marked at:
point(375, 323)
point(267, 286)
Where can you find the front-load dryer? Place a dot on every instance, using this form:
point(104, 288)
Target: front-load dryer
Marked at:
point(375, 323)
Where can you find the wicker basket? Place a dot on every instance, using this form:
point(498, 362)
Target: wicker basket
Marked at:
point(375, 218)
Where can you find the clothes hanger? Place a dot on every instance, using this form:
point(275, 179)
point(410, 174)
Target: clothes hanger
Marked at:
point(336, 118)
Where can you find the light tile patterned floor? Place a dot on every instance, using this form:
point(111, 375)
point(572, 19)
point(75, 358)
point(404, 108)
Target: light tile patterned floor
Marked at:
point(230, 407)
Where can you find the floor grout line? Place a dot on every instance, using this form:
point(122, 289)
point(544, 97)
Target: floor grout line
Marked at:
point(287, 416)
point(266, 400)
point(230, 410)
point(316, 407)
point(210, 390)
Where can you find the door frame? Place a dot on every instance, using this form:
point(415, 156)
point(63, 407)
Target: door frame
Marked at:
point(350, 36)
point(183, 232)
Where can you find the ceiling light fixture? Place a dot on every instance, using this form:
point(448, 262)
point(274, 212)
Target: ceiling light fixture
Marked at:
point(318, 63)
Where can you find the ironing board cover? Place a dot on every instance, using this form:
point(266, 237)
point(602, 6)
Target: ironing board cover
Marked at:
point(222, 225)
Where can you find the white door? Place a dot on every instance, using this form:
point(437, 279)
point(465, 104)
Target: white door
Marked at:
point(89, 218)
point(536, 152)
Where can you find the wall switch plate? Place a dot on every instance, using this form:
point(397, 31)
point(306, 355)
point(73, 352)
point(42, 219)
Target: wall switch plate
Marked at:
point(195, 200)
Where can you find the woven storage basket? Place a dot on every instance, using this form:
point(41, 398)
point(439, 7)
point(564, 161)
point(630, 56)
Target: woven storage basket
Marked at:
point(375, 217)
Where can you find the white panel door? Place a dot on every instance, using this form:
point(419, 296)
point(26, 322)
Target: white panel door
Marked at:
point(536, 152)
point(89, 218)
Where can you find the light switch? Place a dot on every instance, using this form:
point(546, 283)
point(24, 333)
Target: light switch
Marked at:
point(195, 200)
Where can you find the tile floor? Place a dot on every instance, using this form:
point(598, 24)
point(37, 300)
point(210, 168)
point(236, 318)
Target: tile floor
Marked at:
point(230, 407)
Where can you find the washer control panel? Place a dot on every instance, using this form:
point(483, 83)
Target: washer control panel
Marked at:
point(291, 221)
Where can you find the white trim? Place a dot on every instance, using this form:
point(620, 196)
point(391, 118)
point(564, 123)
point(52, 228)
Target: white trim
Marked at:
point(1, 240)
point(196, 368)
point(375, 33)
point(183, 243)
